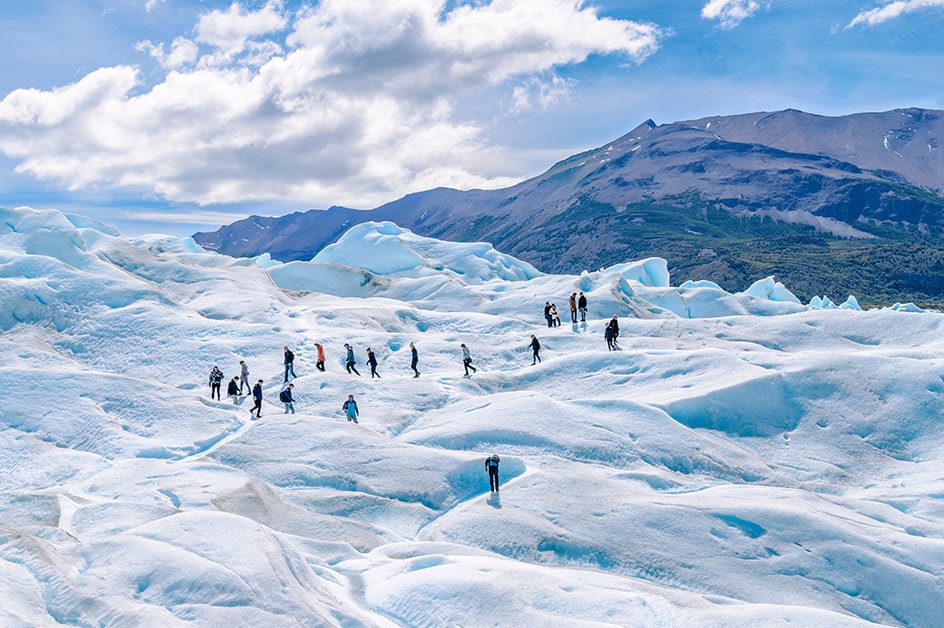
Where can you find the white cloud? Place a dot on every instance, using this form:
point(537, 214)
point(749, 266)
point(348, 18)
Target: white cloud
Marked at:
point(150, 5)
point(354, 106)
point(729, 13)
point(892, 10)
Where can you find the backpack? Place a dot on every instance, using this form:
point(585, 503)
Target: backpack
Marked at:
point(283, 396)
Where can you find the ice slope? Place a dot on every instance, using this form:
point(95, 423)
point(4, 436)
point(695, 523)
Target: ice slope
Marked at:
point(741, 460)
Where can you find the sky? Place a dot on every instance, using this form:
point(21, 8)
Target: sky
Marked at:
point(175, 116)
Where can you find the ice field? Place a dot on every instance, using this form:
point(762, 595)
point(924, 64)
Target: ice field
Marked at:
point(742, 459)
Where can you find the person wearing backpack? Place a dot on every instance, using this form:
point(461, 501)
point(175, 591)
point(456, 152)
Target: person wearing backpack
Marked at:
point(350, 409)
point(232, 389)
point(536, 348)
point(349, 361)
point(216, 378)
point(289, 363)
point(257, 400)
point(491, 465)
point(286, 397)
point(608, 335)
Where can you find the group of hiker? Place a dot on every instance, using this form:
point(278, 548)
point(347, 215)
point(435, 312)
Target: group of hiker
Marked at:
point(240, 383)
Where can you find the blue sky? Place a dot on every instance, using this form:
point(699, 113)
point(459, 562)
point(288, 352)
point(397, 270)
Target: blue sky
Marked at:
point(181, 115)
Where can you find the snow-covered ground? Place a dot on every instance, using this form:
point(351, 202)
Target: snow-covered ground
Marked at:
point(741, 460)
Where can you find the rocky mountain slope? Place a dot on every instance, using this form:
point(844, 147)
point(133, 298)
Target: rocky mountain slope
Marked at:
point(832, 205)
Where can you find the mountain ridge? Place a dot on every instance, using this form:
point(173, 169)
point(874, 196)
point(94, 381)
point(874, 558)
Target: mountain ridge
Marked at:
point(706, 194)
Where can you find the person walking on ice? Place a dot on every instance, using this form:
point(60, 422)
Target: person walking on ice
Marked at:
point(289, 363)
point(491, 465)
point(232, 389)
point(286, 397)
point(372, 361)
point(244, 377)
point(321, 357)
point(349, 360)
point(216, 378)
point(350, 409)
point(257, 400)
point(467, 360)
point(536, 348)
point(414, 360)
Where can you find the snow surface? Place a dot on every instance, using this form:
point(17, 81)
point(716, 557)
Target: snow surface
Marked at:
point(741, 460)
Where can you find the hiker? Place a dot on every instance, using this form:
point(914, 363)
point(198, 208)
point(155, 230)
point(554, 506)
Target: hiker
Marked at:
point(582, 306)
point(555, 317)
point(232, 390)
point(350, 409)
point(244, 378)
point(372, 361)
point(536, 348)
point(289, 363)
point(216, 378)
point(257, 400)
point(286, 397)
point(491, 465)
point(608, 335)
point(467, 360)
point(414, 360)
point(321, 357)
point(614, 325)
point(547, 312)
point(572, 301)
point(349, 361)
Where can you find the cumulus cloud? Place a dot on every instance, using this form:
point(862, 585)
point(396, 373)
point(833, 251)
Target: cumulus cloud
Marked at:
point(892, 10)
point(729, 13)
point(341, 102)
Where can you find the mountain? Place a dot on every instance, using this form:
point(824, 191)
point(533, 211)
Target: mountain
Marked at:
point(740, 460)
point(832, 205)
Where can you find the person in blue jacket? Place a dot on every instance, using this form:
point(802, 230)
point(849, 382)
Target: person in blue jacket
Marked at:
point(257, 399)
point(349, 360)
point(350, 409)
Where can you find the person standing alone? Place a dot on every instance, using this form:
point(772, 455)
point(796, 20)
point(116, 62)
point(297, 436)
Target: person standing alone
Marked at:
point(491, 465)
point(414, 360)
point(467, 360)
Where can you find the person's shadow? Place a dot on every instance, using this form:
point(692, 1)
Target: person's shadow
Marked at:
point(494, 500)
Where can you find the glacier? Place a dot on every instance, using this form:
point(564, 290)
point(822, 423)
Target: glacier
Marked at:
point(742, 459)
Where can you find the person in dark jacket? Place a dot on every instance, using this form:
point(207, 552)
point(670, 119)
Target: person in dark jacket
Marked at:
point(289, 363)
point(582, 306)
point(491, 465)
point(614, 325)
point(257, 399)
point(286, 397)
point(216, 378)
point(536, 348)
point(372, 361)
point(547, 313)
point(232, 389)
point(350, 409)
point(349, 360)
point(608, 335)
point(414, 360)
